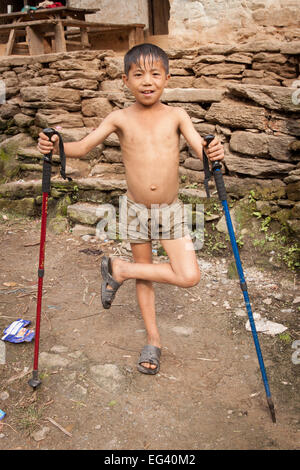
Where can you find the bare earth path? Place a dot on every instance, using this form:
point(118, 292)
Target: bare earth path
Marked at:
point(208, 394)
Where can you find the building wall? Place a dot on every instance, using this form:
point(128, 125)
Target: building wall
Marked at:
point(116, 11)
point(195, 22)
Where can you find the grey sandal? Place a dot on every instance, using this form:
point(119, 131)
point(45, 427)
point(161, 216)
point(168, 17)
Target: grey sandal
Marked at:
point(108, 295)
point(150, 354)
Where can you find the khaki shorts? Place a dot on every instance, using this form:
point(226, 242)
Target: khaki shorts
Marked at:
point(140, 224)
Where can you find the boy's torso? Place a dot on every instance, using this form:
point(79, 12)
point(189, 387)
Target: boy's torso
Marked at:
point(149, 141)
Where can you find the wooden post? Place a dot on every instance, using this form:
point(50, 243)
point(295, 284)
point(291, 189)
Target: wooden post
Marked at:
point(34, 39)
point(60, 41)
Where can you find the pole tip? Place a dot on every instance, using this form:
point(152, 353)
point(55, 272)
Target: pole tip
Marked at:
point(34, 382)
point(272, 409)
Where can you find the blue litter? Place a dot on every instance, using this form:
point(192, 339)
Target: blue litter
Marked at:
point(2, 414)
point(17, 333)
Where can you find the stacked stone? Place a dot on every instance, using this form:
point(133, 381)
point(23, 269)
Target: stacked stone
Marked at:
point(242, 94)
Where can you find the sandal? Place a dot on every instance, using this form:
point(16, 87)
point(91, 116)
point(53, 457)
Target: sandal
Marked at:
point(150, 354)
point(108, 295)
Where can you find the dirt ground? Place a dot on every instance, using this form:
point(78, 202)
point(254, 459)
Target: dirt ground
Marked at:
point(209, 392)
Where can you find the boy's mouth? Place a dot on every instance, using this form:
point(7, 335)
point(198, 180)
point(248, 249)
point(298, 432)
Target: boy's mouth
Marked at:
point(147, 92)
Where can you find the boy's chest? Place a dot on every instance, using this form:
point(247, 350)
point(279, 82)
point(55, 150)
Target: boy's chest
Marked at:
point(150, 131)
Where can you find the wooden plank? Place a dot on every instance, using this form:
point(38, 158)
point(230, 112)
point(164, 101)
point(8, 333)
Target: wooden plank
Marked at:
point(34, 41)
point(8, 27)
point(11, 42)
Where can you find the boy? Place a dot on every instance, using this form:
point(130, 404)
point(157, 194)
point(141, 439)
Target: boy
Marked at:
point(149, 133)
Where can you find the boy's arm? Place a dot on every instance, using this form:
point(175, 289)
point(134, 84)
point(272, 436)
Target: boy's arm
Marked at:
point(215, 150)
point(82, 147)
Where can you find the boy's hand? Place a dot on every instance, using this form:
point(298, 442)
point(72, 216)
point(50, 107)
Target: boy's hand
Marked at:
point(215, 150)
point(45, 146)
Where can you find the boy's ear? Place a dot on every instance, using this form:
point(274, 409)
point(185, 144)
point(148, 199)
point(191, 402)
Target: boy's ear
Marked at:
point(125, 79)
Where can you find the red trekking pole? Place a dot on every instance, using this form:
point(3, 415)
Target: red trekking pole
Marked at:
point(34, 382)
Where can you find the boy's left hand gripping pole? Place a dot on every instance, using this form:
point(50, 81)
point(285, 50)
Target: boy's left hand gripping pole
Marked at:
point(34, 382)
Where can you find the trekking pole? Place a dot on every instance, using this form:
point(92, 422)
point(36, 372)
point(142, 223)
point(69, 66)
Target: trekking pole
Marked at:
point(34, 382)
point(216, 170)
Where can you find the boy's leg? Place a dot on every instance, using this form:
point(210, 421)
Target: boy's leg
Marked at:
point(182, 270)
point(142, 253)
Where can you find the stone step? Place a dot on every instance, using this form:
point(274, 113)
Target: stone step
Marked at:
point(20, 189)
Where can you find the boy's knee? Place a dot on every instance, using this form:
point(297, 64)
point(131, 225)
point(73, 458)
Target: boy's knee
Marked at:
point(191, 279)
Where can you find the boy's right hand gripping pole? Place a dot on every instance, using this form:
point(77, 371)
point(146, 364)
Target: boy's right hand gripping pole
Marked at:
point(216, 169)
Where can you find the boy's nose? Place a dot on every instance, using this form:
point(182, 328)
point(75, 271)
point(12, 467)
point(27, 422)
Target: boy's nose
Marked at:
point(147, 79)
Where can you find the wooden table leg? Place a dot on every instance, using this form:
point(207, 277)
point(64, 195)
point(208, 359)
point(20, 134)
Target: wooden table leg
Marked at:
point(60, 41)
point(136, 36)
point(34, 39)
point(84, 38)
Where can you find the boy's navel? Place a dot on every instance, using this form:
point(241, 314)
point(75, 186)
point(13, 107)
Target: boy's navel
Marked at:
point(152, 187)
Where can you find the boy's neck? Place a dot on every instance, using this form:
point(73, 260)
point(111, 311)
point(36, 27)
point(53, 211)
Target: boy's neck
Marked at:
point(153, 107)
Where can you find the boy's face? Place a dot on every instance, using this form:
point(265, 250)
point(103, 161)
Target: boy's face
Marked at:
point(147, 80)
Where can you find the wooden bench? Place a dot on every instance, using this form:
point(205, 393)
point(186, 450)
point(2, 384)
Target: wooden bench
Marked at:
point(46, 30)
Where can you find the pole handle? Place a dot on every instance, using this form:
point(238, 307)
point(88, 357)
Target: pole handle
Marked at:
point(46, 185)
point(216, 169)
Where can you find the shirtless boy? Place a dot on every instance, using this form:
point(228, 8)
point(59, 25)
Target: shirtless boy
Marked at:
point(149, 133)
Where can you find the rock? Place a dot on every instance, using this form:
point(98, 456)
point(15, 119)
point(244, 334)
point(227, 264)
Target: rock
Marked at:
point(58, 348)
point(83, 213)
point(271, 97)
point(265, 326)
point(292, 48)
point(108, 376)
point(192, 95)
point(293, 191)
point(193, 164)
point(239, 312)
point(99, 107)
point(4, 395)
point(63, 119)
point(21, 120)
point(78, 230)
point(181, 82)
point(25, 207)
point(52, 360)
point(232, 272)
point(75, 64)
point(217, 69)
point(255, 166)
point(249, 143)
point(222, 226)
point(40, 434)
point(58, 225)
point(231, 114)
point(112, 155)
point(80, 84)
point(183, 330)
point(294, 225)
point(48, 93)
point(295, 213)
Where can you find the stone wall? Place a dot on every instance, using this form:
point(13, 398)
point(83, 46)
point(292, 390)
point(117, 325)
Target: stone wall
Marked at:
point(243, 95)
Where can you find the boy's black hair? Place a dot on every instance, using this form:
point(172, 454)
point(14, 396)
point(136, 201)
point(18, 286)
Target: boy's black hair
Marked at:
point(134, 55)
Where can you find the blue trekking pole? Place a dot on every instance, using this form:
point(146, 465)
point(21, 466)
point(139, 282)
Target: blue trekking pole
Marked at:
point(216, 171)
